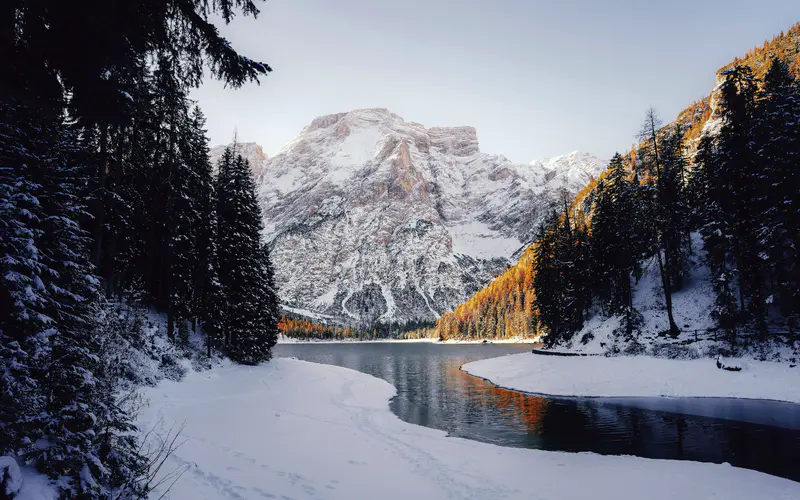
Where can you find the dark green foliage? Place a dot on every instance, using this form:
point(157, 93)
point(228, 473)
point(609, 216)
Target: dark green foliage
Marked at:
point(561, 276)
point(52, 386)
point(777, 139)
point(662, 163)
point(94, 46)
point(249, 321)
point(742, 193)
point(614, 241)
point(709, 185)
point(748, 174)
point(105, 188)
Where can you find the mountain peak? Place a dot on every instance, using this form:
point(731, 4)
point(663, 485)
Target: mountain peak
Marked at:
point(382, 126)
point(365, 114)
point(371, 217)
point(575, 159)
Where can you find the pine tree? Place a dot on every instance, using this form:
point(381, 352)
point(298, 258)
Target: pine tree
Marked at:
point(560, 264)
point(250, 306)
point(48, 344)
point(738, 164)
point(547, 282)
point(673, 207)
point(23, 297)
point(205, 279)
point(709, 184)
point(777, 141)
point(616, 246)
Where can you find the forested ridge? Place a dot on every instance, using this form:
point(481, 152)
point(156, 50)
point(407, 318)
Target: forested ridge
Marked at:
point(730, 174)
point(108, 209)
point(301, 328)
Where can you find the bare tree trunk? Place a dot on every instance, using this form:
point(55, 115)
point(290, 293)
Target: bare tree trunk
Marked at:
point(629, 302)
point(662, 265)
point(673, 328)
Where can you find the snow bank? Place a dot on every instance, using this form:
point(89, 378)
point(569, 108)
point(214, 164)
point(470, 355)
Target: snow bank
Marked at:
point(639, 376)
point(24, 483)
point(292, 429)
point(10, 477)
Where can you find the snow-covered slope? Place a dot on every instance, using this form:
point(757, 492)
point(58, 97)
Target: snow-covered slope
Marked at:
point(371, 217)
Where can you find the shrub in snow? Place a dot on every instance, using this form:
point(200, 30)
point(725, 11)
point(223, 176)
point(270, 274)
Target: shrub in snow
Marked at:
point(674, 351)
point(634, 348)
point(728, 367)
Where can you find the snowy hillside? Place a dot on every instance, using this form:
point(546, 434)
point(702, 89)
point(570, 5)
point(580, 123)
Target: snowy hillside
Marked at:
point(692, 307)
point(371, 217)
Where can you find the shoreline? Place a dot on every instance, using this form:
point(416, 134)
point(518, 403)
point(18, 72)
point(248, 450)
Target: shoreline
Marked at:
point(638, 377)
point(289, 340)
point(620, 396)
point(270, 447)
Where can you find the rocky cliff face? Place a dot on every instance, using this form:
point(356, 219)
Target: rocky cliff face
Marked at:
point(370, 217)
point(249, 150)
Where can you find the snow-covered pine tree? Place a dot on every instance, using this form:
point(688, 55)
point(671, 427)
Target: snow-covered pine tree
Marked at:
point(554, 292)
point(250, 307)
point(23, 298)
point(708, 183)
point(602, 242)
point(777, 140)
point(204, 273)
point(49, 349)
point(616, 247)
point(76, 93)
point(573, 265)
point(739, 176)
point(184, 212)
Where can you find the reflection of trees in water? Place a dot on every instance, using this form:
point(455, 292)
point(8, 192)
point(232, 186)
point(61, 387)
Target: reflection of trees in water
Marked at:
point(433, 391)
point(484, 402)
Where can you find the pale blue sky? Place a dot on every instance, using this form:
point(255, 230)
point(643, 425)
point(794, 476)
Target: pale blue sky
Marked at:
point(536, 78)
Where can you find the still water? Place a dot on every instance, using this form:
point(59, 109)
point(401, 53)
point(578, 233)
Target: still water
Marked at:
point(434, 392)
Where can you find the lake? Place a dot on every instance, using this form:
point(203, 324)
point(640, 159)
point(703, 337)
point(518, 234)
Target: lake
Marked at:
point(434, 392)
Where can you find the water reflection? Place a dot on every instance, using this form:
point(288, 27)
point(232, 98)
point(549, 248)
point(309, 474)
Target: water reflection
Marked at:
point(434, 392)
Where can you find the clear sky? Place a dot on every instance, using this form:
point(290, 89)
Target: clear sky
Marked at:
point(536, 78)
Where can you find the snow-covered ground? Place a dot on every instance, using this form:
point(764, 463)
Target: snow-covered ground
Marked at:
point(292, 429)
point(640, 376)
point(35, 486)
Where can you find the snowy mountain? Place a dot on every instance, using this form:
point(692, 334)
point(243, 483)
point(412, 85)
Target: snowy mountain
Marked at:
point(370, 217)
